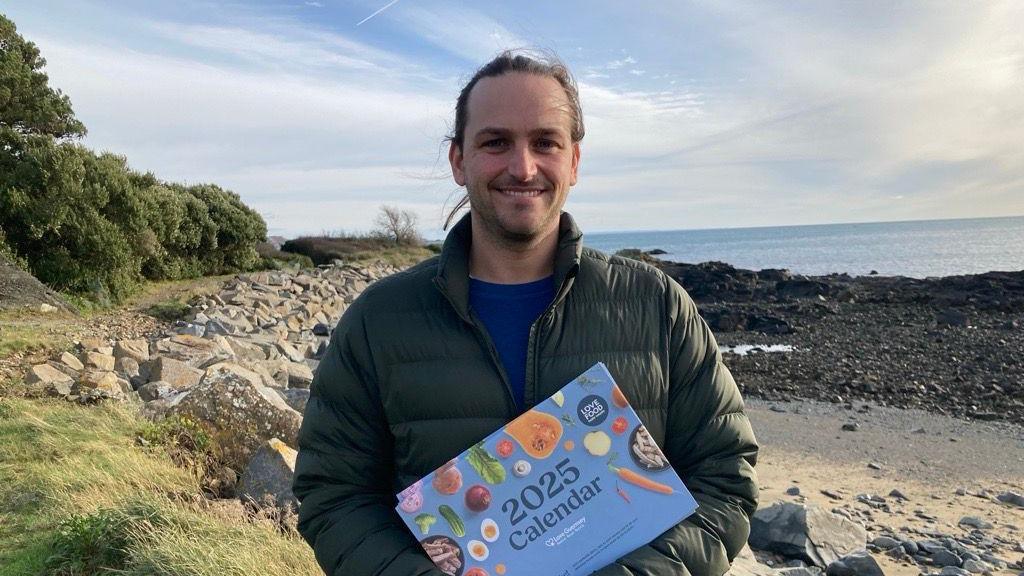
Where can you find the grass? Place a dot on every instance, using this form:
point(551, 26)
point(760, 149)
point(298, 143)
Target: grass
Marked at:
point(358, 250)
point(79, 496)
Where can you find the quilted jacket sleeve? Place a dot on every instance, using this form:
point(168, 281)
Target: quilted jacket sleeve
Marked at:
point(710, 443)
point(343, 470)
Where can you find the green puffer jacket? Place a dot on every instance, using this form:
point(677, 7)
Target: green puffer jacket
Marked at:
point(412, 379)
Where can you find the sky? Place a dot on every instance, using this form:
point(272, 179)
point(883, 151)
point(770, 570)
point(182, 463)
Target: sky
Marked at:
point(702, 114)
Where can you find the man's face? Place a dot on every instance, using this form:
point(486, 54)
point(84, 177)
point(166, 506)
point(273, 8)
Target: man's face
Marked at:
point(518, 159)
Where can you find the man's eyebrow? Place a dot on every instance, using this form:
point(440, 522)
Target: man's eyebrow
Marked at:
point(494, 130)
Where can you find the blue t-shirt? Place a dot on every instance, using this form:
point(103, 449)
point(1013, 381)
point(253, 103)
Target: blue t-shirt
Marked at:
point(508, 311)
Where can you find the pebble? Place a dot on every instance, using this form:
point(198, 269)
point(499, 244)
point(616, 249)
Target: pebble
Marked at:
point(975, 522)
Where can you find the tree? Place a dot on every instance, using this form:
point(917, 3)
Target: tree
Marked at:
point(398, 225)
point(27, 103)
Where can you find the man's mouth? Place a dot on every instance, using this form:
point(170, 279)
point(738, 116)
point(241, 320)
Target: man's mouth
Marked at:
point(521, 192)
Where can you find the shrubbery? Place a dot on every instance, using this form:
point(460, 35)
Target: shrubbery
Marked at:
point(85, 222)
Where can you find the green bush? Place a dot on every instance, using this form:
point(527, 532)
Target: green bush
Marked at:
point(85, 223)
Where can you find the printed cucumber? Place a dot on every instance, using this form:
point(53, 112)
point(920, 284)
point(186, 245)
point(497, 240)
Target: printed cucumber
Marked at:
point(453, 520)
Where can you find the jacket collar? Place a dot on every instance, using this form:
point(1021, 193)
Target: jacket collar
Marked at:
point(453, 267)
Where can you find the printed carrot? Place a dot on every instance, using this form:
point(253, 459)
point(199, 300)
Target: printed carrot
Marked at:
point(641, 481)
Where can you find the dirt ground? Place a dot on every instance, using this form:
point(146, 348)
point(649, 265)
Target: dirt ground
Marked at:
point(927, 457)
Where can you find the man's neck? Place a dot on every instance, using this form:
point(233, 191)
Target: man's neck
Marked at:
point(494, 261)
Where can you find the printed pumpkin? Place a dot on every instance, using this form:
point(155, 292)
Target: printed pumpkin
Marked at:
point(538, 433)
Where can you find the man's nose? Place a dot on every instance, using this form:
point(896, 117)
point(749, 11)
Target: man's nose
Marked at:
point(522, 164)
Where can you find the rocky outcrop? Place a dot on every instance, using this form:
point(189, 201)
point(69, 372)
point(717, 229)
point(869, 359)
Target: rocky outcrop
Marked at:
point(805, 532)
point(241, 365)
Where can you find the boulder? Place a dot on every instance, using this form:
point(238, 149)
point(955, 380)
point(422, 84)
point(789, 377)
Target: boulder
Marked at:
point(127, 367)
point(242, 412)
point(268, 477)
point(154, 390)
point(49, 380)
point(859, 563)
point(104, 381)
point(98, 360)
point(175, 372)
point(138, 350)
point(194, 351)
point(806, 532)
point(68, 359)
point(299, 375)
point(290, 352)
point(67, 370)
point(295, 397)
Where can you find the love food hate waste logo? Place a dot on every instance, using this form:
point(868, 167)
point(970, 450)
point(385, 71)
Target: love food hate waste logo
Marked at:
point(592, 410)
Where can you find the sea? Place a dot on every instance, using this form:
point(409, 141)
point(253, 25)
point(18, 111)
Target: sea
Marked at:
point(917, 249)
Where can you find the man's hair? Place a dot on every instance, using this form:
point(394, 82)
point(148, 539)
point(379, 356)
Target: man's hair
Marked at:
point(508, 62)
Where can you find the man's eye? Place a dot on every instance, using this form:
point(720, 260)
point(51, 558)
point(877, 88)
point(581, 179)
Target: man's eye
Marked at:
point(494, 142)
point(546, 144)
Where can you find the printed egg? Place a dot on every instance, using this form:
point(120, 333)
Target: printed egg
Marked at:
point(478, 550)
point(521, 468)
point(489, 530)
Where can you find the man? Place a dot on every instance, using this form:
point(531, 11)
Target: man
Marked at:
point(429, 361)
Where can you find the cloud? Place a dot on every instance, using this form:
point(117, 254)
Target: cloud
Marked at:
point(459, 30)
point(616, 64)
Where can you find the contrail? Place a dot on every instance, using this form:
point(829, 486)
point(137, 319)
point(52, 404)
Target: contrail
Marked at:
point(386, 6)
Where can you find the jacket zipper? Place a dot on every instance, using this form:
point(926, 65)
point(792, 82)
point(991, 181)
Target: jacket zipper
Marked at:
point(534, 342)
point(483, 337)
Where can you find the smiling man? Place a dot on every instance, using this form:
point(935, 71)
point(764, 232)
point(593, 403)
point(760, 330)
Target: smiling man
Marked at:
point(429, 361)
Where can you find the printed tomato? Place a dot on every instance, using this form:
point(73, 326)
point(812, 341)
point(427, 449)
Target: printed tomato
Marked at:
point(505, 447)
point(475, 572)
point(619, 425)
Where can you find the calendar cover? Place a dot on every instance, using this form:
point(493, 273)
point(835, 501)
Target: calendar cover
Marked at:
point(563, 490)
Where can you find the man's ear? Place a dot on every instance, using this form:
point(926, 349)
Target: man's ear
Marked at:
point(455, 159)
point(575, 162)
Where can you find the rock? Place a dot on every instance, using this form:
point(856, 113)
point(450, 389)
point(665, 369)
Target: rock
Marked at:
point(97, 360)
point(268, 477)
point(885, 542)
point(975, 566)
point(859, 563)
point(243, 412)
point(49, 380)
point(194, 351)
point(96, 345)
point(851, 427)
point(745, 564)
point(793, 491)
point(73, 374)
point(68, 359)
point(127, 367)
point(975, 522)
point(321, 329)
point(895, 493)
point(103, 380)
point(289, 351)
point(805, 532)
point(46, 308)
point(874, 466)
point(299, 375)
point(295, 397)
point(138, 350)
point(1011, 498)
point(155, 390)
point(943, 557)
point(953, 571)
point(176, 373)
